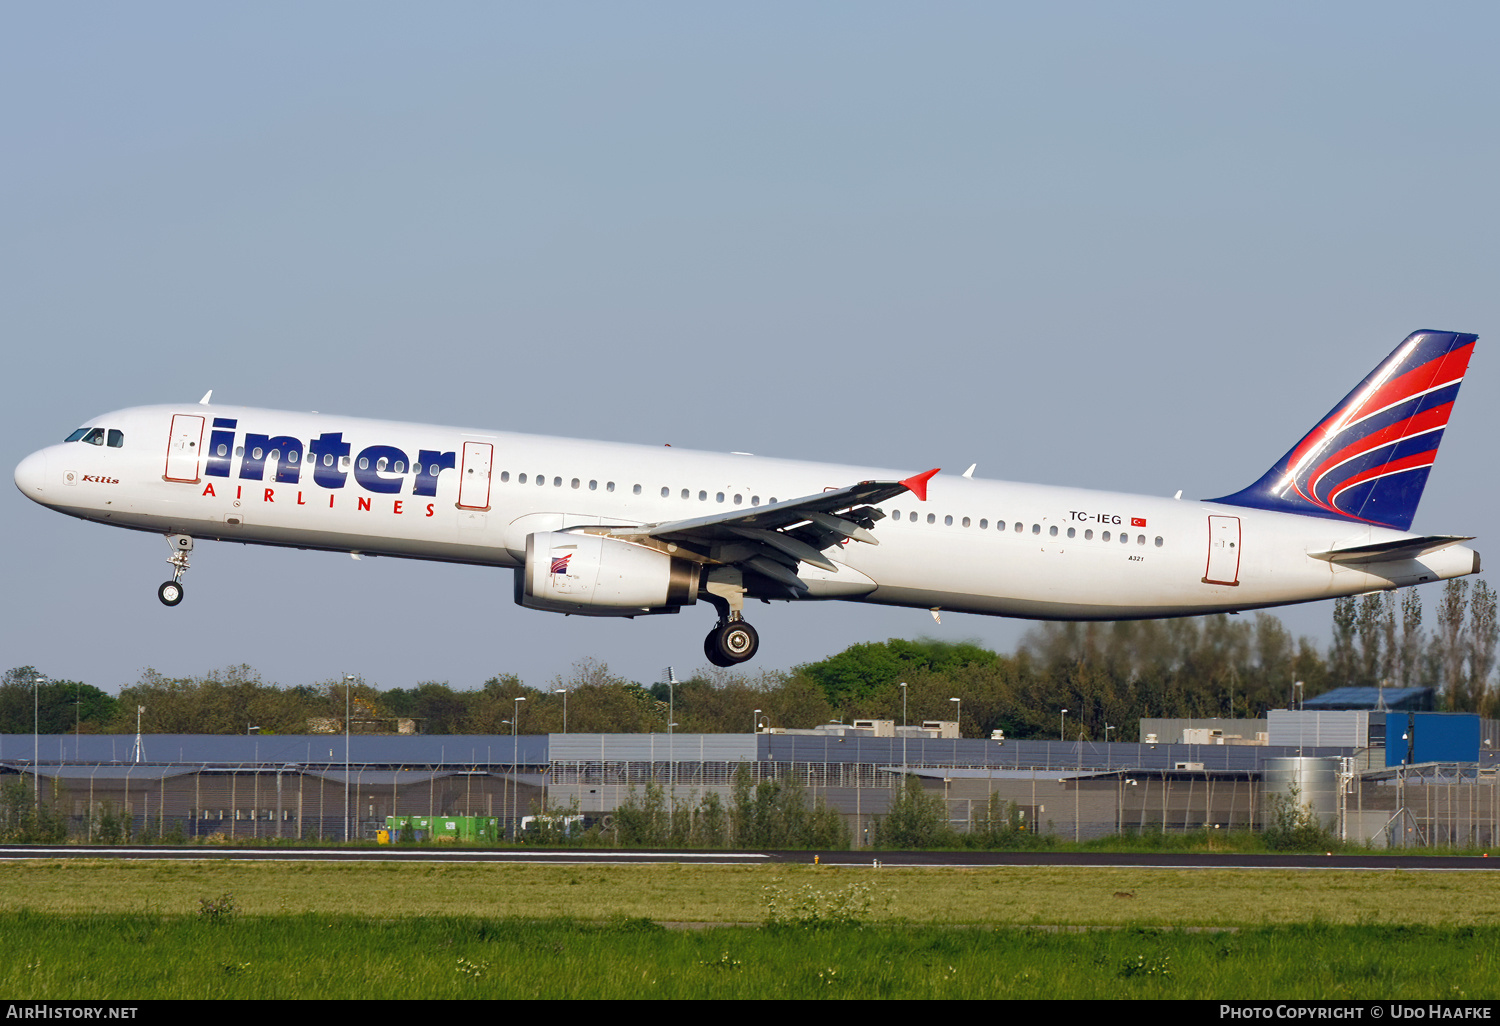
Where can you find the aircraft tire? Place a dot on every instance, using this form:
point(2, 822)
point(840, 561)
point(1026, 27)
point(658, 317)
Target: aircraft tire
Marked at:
point(711, 649)
point(170, 593)
point(735, 642)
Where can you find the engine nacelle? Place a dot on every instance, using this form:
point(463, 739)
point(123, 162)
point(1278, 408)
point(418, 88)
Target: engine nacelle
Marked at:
point(592, 575)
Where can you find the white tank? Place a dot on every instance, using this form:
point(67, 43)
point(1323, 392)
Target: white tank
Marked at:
point(1315, 782)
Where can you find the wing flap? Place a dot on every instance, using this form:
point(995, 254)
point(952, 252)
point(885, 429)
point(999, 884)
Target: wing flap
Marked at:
point(771, 540)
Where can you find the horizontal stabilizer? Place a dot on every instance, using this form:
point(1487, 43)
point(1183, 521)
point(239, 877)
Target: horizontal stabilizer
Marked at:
point(1389, 551)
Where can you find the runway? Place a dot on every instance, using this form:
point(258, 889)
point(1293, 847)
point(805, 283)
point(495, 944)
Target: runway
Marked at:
point(872, 859)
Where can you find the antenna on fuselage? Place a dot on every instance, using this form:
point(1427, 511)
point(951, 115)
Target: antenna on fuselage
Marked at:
point(206, 396)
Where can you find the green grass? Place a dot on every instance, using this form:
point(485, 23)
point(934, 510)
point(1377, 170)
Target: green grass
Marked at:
point(1000, 896)
point(132, 930)
point(146, 957)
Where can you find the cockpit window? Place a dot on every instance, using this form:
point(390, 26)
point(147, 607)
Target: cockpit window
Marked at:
point(77, 436)
point(95, 436)
point(116, 439)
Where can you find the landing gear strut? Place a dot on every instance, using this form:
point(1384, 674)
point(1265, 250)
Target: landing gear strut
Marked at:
point(170, 593)
point(733, 640)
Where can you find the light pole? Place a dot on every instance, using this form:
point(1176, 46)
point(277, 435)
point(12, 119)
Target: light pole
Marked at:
point(755, 727)
point(349, 680)
point(515, 785)
point(564, 693)
point(958, 714)
point(36, 734)
point(903, 733)
point(1062, 719)
point(670, 680)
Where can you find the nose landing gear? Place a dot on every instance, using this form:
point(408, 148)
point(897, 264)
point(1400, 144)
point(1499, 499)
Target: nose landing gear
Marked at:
point(171, 592)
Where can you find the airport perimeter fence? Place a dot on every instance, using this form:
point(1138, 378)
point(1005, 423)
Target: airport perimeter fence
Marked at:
point(1436, 806)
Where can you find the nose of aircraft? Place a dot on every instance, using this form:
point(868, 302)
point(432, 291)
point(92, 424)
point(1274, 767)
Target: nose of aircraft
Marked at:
point(31, 476)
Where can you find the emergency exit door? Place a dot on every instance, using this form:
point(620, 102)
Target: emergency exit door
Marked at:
point(474, 476)
point(184, 448)
point(1223, 551)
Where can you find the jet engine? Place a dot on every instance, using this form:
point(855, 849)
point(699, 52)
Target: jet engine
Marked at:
point(592, 575)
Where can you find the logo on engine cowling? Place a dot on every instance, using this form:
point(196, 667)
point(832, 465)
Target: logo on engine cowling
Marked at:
point(560, 563)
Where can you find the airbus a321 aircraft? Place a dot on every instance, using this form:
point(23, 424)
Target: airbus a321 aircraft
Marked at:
point(608, 529)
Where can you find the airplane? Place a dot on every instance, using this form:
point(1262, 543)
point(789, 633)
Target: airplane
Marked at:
point(614, 529)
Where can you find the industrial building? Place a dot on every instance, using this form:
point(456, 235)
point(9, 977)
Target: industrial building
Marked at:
point(1385, 778)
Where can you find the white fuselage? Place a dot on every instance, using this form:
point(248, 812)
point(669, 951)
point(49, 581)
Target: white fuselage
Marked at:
point(973, 546)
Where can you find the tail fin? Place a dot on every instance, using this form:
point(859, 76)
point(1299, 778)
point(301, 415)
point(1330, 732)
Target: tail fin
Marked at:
point(1368, 459)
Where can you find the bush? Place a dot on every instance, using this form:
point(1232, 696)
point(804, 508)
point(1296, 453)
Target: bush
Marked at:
point(1293, 826)
point(916, 820)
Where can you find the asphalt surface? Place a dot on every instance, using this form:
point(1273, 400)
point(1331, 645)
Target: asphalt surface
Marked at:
point(939, 859)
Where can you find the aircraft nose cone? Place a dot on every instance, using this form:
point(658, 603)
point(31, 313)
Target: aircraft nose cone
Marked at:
point(31, 476)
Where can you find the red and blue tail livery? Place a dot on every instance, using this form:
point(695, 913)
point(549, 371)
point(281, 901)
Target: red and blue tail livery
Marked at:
point(1368, 459)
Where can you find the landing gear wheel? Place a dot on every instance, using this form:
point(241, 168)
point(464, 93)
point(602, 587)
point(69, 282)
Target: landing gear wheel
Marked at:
point(731, 643)
point(170, 593)
point(711, 649)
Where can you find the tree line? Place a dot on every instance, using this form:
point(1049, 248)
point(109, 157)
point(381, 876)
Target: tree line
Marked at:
point(1107, 675)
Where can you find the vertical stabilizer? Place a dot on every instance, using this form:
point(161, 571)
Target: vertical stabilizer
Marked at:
point(1368, 459)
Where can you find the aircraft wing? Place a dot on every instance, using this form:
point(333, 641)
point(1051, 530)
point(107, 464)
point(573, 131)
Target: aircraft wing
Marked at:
point(772, 540)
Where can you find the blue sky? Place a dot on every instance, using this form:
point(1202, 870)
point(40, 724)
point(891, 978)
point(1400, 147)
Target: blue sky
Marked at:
point(1135, 247)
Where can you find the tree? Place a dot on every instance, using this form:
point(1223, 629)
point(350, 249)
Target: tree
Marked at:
point(1449, 646)
point(1483, 635)
point(916, 820)
point(59, 706)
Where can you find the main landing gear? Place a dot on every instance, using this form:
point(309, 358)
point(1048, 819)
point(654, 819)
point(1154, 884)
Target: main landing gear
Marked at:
point(170, 593)
point(733, 640)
